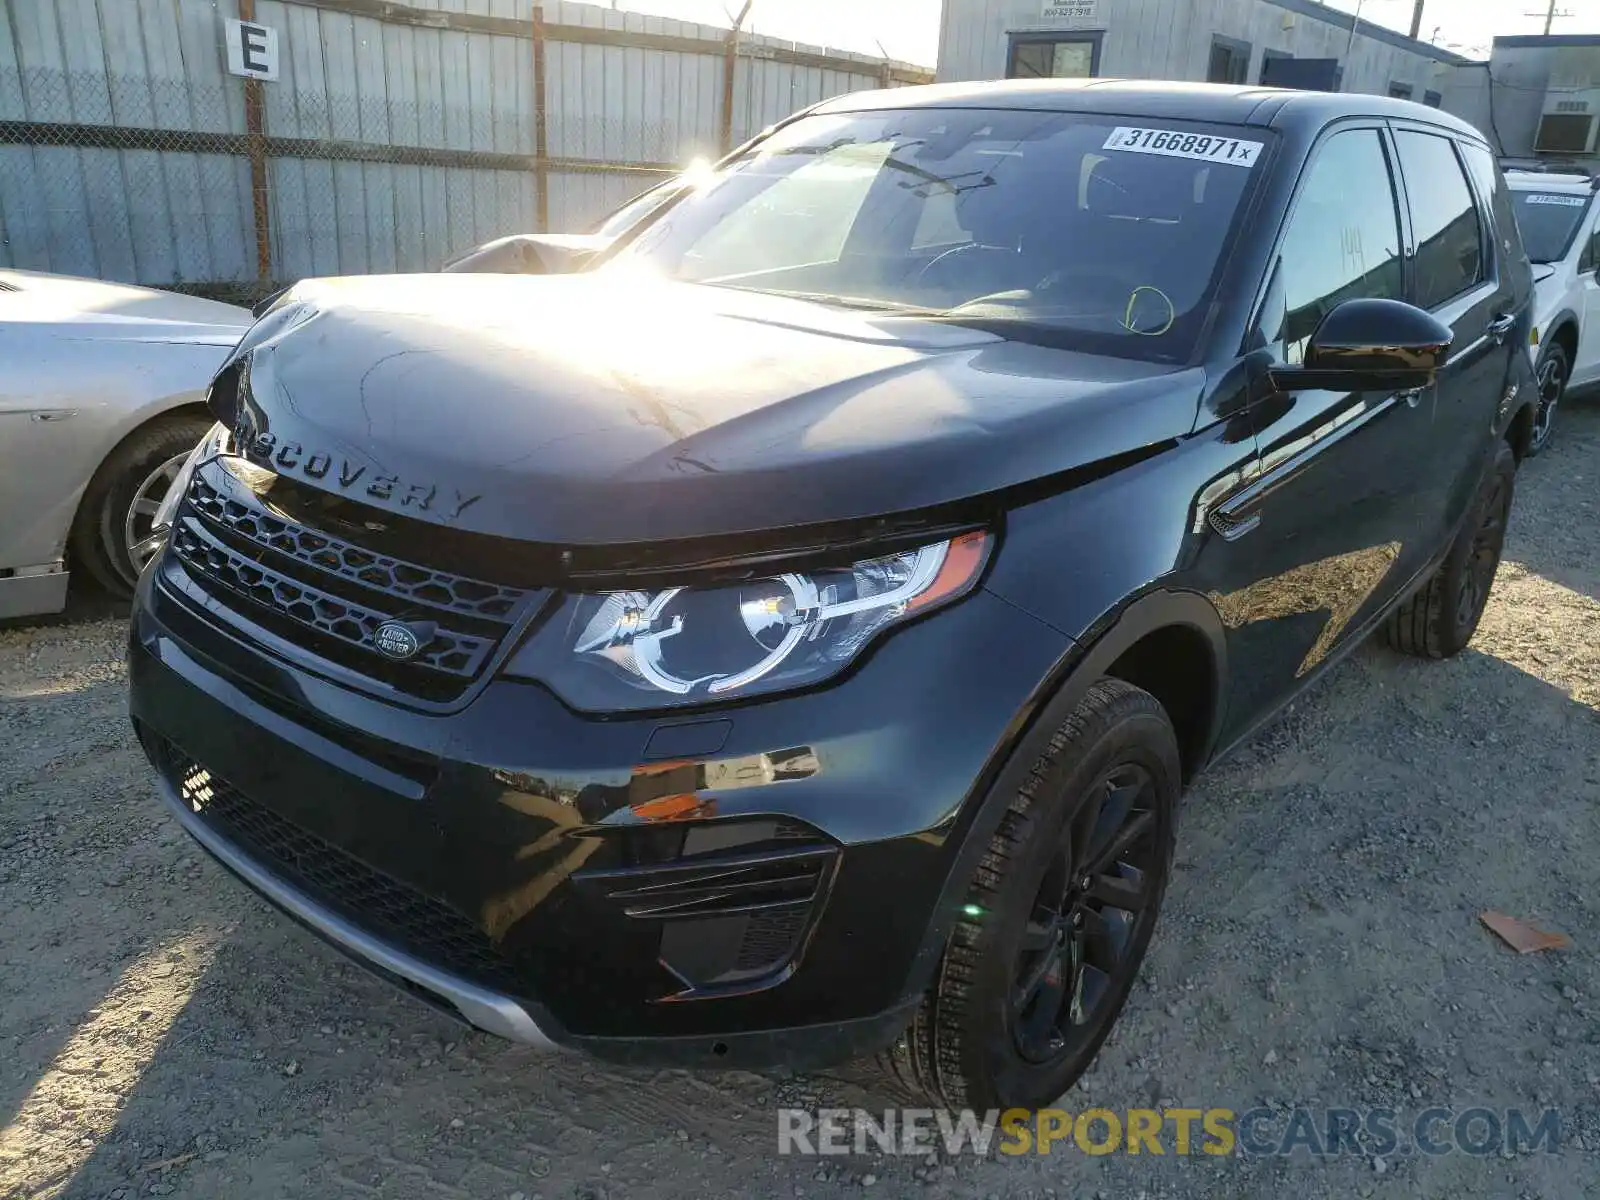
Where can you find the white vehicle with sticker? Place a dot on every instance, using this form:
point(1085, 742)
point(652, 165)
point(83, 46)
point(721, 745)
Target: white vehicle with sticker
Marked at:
point(1557, 217)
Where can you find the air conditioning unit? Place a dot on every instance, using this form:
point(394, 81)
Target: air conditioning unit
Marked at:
point(1567, 122)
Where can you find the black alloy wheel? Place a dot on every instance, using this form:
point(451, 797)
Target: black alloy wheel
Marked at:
point(1056, 920)
point(1440, 617)
point(1087, 917)
point(1483, 557)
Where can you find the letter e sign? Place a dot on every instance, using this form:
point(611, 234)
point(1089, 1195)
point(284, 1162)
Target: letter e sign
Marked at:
point(252, 50)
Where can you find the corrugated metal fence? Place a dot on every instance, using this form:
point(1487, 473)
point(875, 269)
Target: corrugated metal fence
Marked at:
point(396, 134)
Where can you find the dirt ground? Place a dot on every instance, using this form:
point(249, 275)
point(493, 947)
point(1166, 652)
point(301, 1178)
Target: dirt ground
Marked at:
point(162, 1032)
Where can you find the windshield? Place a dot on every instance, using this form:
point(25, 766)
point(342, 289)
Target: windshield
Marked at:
point(619, 222)
point(1063, 228)
point(1547, 221)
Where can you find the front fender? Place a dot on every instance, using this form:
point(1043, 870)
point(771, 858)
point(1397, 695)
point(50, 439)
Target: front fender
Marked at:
point(1058, 695)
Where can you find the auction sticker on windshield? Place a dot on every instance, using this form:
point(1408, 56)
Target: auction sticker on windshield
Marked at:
point(1176, 143)
point(1570, 201)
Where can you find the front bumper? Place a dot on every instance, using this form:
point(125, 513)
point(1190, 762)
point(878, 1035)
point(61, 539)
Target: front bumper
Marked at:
point(755, 885)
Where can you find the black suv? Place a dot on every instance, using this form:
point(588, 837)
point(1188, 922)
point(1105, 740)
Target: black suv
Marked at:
point(789, 639)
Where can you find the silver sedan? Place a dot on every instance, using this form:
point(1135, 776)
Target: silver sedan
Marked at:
point(102, 390)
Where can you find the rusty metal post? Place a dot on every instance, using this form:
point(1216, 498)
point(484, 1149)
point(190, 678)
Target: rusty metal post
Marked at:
point(730, 69)
point(541, 132)
point(256, 148)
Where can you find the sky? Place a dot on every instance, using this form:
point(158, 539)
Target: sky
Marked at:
point(909, 29)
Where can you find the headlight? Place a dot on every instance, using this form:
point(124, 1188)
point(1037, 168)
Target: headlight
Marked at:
point(693, 645)
point(213, 444)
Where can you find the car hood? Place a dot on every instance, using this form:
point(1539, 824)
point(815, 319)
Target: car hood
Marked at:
point(95, 309)
point(531, 254)
point(605, 408)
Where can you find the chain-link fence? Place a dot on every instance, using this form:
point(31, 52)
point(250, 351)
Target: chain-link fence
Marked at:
point(381, 147)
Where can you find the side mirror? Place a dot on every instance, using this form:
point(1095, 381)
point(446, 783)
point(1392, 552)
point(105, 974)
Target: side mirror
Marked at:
point(1370, 346)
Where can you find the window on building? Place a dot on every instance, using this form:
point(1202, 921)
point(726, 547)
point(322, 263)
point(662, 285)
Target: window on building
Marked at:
point(1564, 133)
point(1400, 91)
point(1432, 99)
point(1343, 238)
point(1047, 57)
point(1444, 219)
point(1230, 61)
point(1268, 57)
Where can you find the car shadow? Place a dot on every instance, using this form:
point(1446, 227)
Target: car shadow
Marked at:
point(1557, 506)
point(1325, 896)
point(85, 602)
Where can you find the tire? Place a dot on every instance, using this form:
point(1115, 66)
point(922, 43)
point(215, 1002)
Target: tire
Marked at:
point(1439, 620)
point(1551, 376)
point(986, 1034)
point(135, 473)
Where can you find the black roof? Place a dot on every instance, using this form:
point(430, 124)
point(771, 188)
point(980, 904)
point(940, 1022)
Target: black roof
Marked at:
point(1231, 104)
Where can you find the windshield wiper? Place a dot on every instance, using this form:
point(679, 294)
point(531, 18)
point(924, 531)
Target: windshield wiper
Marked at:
point(861, 302)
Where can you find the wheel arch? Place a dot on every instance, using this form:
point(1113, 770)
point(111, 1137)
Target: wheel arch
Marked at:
point(1563, 330)
point(1129, 641)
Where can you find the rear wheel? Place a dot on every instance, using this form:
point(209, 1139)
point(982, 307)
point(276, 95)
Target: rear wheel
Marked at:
point(1551, 376)
point(1057, 919)
point(112, 534)
point(1440, 619)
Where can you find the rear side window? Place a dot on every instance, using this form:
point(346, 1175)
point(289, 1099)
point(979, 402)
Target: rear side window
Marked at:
point(1444, 218)
point(1343, 239)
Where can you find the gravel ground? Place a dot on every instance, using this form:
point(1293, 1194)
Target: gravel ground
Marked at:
point(164, 1033)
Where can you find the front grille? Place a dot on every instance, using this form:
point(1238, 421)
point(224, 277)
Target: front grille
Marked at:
point(414, 922)
point(324, 552)
point(328, 595)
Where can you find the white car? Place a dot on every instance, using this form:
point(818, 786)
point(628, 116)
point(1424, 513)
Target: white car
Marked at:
point(1557, 217)
point(102, 390)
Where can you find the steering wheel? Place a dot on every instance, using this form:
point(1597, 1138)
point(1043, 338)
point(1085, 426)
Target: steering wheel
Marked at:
point(1090, 283)
point(1105, 292)
point(945, 256)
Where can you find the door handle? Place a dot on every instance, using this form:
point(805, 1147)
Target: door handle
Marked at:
point(1500, 326)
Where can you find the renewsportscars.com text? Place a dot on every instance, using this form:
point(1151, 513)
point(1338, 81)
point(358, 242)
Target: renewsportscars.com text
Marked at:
point(1257, 1132)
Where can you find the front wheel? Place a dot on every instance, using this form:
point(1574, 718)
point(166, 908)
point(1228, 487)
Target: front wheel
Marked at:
point(1057, 919)
point(112, 535)
point(1551, 377)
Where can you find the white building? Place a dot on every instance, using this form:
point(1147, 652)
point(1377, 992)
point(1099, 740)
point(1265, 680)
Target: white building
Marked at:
point(1296, 43)
point(1535, 97)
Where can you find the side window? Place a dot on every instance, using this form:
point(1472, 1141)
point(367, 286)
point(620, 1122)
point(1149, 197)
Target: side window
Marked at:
point(1343, 237)
point(1506, 238)
point(1444, 218)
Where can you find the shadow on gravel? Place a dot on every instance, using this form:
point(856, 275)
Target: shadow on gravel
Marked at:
point(84, 603)
point(1566, 514)
point(1324, 907)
